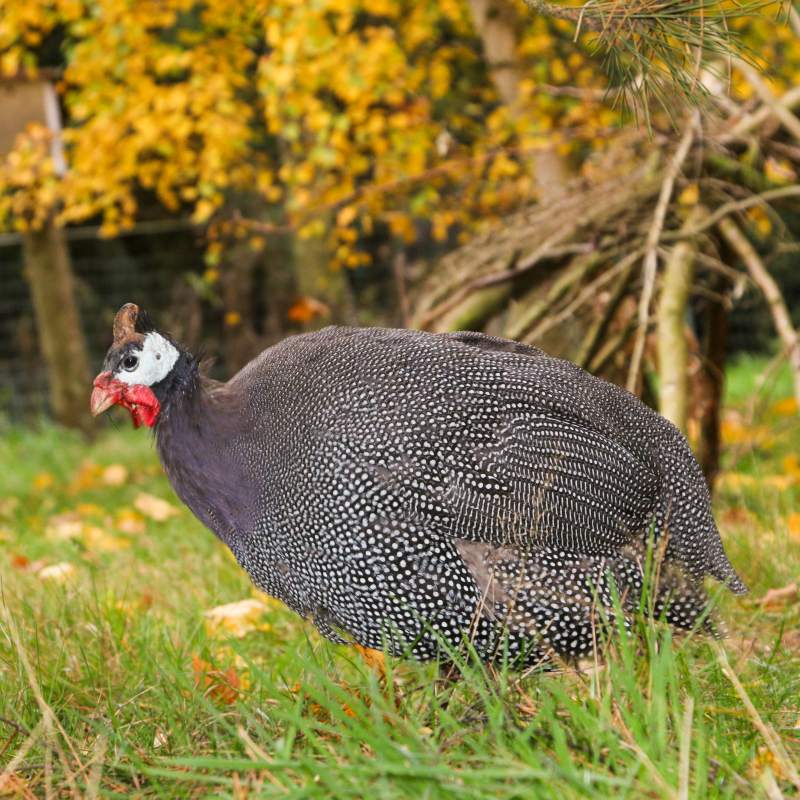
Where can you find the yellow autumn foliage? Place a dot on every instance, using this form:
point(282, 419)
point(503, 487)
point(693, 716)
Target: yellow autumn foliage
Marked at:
point(350, 111)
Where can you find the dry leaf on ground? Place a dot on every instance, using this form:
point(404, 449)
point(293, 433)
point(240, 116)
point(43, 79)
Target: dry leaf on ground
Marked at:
point(236, 619)
point(64, 526)
point(58, 573)
point(220, 685)
point(776, 599)
point(130, 521)
point(14, 785)
point(160, 739)
point(154, 507)
point(115, 475)
point(793, 525)
point(790, 641)
point(8, 505)
point(786, 407)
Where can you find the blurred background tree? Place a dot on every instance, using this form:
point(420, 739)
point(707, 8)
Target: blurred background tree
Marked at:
point(529, 169)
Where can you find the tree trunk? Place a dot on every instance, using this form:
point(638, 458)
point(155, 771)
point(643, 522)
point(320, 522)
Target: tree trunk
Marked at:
point(49, 275)
point(497, 25)
point(709, 387)
point(673, 352)
point(315, 278)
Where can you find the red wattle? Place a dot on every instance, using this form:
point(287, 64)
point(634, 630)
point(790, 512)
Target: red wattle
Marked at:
point(142, 404)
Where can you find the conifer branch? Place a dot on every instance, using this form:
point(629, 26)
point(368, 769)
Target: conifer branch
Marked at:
point(655, 49)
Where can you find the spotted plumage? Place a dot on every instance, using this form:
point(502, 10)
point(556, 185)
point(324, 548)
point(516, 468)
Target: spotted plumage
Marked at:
point(403, 488)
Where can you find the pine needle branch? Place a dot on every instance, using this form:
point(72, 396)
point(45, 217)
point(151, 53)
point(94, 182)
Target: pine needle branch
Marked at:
point(656, 50)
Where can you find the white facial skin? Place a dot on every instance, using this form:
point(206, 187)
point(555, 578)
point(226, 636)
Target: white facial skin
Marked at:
point(153, 362)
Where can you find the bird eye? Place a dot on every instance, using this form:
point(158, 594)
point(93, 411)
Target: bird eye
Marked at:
point(130, 363)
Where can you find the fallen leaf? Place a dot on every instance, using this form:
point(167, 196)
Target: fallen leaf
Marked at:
point(13, 785)
point(219, 685)
point(374, 659)
point(86, 477)
point(734, 431)
point(20, 562)
point(63, 527)
point(765, 760)
point(791, 466)
point(793, 524)
point(786, 408)
point(779, 170)
point(129, 521)
point(236, 619)
point(115, 475)
point(154, 507)
point(690, 195)
point(306, 309)
point(160, 739)
point(42, 481)
point(58, 573)
point(790, 641)
point(735, 480)
point(776, 599)
point(96, 538)
point(8, 505)
point(736, 515)
point(89, 510)
point(779, 482)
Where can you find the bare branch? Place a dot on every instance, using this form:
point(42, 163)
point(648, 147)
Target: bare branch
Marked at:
point(651, 246)
point(787, 119)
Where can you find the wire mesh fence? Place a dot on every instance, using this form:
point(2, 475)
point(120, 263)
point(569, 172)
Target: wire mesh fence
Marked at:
point(157, 265)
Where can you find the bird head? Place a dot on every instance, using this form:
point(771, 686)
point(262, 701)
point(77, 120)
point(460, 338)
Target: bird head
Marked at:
point(137, 368)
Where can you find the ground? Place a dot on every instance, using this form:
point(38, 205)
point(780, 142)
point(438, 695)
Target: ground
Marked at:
point(136, 658)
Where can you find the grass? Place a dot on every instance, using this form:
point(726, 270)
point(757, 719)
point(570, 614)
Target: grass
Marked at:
point(113, 681)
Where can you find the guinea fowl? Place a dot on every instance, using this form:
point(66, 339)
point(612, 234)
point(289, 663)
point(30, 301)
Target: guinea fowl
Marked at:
point(404, 489)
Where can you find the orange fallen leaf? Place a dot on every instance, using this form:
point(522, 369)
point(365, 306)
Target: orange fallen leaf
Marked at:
point(791, 466)
point(786, 407)
point(13, 785)
point(735, 480)
point(86, 477)
point(736, 515)
point(96, 538)
point(765, 760)
point(307, 309)
point(129, 521)
point(779, 482)
point(776, 599)
point(219, 685)
point(20, 562)
point(154, 507)
point(374, 659)
point(42, 481)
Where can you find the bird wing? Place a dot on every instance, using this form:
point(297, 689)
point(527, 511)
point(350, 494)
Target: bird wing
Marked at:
point(496, 447)
point(534, 464)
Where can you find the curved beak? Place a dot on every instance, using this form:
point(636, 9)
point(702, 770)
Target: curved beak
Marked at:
point(106, 393)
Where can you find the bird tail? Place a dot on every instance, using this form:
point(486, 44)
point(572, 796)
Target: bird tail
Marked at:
point(565, 603)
